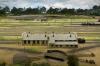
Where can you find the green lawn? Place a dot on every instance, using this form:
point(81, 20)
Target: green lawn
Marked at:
point(11, 25)
point(10, 38)
point(53, 22)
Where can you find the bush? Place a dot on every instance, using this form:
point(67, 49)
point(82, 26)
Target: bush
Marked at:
point(99, 20)
point(40, 64)
point(21, 59)
point(3, 64)
point(81, 40)
point(73, 60)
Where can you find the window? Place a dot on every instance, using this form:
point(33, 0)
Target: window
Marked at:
point(33, 42)
point(71, 40)
point(43, 42)
point(64, 40)
point(24, 41)
point(28, 41)
point(46, 42)
point(38, 42)
point(59, 40)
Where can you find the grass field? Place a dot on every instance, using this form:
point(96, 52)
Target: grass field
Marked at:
point(11, 29)
point(7, 55)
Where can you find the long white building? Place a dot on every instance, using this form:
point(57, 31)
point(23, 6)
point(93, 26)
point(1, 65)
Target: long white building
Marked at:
point(68, 39)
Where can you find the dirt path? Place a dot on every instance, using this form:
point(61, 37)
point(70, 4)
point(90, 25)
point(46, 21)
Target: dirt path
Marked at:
point(84, 48)
point(21, 50)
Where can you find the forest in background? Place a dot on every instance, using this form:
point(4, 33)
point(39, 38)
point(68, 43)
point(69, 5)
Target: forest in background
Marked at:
point(4, 11)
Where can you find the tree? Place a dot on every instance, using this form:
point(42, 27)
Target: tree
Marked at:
point(32, 11)
point(28, 11)
point(56, 11)
point(95, 7)
point(50, 10)
point(0, 7)
point(43, 10)
point(2, 12)
point(20, 11)
point(17, 11)
point(64, 11)
point(6, 9)
point(3, 64)
point(71, 11)
point(95, 10)
point(81, 40)
point(80, 11)
point(36, 11)
point(14, 11)
point(73, 60)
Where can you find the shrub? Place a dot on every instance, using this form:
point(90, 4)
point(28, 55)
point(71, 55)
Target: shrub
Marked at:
point(99, 20)
point(81, 40)
point(41, 64)
point(73, 60)
point(3, 64)
point(21, 59)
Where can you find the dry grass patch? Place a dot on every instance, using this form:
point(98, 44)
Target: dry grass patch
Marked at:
point(7, 56)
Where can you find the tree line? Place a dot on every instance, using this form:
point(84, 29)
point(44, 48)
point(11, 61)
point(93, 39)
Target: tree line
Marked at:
point(95, 10)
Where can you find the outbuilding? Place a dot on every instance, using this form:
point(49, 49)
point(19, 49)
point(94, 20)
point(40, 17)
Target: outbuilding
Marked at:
point(51, 39)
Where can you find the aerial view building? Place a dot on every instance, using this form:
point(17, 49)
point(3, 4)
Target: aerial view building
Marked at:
point(52, 39)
